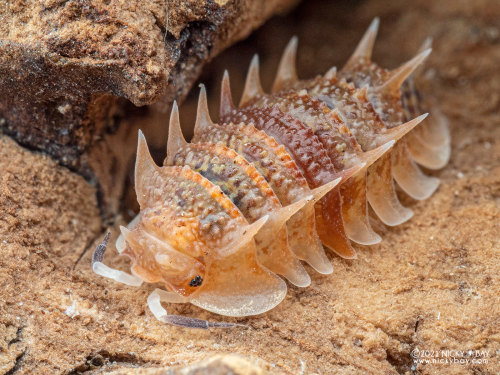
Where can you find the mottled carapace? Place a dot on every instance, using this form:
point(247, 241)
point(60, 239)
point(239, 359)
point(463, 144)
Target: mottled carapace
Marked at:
point(281, 177)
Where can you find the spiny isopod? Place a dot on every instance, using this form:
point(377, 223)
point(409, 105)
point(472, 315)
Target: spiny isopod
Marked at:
point(281, 176)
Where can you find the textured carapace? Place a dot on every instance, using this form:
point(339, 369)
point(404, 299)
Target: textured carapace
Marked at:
point(279, 177)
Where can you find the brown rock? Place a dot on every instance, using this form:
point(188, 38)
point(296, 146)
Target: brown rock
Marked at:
point(216, 365)
point(432, 284)
point(65, 65)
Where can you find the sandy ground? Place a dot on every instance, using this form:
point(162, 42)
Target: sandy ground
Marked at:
point(431, 285)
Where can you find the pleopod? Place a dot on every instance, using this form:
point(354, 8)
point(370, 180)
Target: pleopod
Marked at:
point(283, 176)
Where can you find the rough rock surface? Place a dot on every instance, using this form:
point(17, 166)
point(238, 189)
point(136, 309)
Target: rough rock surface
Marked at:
point(432, 284)
point(219, 364)
point(66, 68)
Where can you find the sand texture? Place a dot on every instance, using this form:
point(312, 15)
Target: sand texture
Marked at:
point(432, 284)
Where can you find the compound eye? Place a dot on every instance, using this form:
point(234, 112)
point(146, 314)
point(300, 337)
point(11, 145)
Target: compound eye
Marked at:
point(197, 281)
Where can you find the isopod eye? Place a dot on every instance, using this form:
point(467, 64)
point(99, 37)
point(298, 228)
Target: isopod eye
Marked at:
point(197, 281)
point(179, 271)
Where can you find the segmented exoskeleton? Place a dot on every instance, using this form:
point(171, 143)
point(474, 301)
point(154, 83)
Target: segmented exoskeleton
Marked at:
point(280, 176)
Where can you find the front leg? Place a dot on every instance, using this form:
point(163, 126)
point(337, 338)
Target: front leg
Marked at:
point(154, 303)
point(101, 269)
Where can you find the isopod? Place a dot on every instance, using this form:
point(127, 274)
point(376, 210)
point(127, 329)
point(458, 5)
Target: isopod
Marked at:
point(281, 177)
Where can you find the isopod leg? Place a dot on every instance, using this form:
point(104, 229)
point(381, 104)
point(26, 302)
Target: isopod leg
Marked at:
point(154, 303)
point(101, 269)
